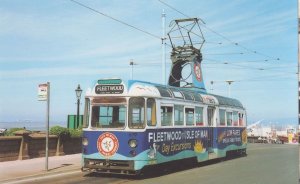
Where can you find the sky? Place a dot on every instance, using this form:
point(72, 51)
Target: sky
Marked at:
point(66, 44)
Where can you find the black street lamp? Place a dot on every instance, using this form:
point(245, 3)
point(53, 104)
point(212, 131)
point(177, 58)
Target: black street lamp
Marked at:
point(78, 91)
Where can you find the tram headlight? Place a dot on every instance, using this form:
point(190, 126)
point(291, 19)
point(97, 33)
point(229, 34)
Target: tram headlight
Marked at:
point(85, 141)
point(133, 143)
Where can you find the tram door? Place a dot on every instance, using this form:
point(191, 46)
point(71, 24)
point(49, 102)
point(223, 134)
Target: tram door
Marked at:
point(210, 123)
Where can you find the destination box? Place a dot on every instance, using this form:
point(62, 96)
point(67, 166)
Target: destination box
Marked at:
point(109, 89)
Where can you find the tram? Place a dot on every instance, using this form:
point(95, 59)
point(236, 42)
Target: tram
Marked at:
point(140, 124)
point(130, 125)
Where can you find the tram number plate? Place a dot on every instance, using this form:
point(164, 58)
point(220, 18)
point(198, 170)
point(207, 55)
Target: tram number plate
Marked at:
point(109, 89)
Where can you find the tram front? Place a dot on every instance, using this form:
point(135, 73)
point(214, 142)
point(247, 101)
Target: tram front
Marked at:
point(114, 139)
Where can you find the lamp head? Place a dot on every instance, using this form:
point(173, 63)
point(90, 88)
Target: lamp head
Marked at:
point(78, 91)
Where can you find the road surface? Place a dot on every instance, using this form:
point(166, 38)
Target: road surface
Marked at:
point(265, 163)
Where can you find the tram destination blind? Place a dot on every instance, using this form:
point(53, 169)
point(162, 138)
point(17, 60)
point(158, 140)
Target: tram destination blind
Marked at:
point(109, 89)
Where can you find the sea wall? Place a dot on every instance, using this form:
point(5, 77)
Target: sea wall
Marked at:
point(26, 146)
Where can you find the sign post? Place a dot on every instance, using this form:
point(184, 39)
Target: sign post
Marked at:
point(44, 95)
point(299, 64)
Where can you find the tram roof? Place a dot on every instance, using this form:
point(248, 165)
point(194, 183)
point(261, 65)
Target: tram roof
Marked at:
point(228, 101)
point(117, 87)
point(191, 94)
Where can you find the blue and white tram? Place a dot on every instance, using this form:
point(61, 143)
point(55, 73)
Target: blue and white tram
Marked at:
point(131, 126)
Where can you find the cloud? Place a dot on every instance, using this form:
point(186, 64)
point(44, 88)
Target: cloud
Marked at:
point(126, 47)
point(60, 71)
point(74, 34)
point(251, 26)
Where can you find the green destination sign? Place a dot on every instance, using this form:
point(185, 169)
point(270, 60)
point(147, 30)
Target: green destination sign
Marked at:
point(109, 81)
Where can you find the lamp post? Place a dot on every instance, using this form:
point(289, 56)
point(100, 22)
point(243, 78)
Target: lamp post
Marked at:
point(78, 91)
point(211, 86)
point(131, 63)
point(229, 90)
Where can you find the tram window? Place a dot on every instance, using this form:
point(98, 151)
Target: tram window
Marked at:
point(199, 116)
point(189, 116)
point(229, 118)
point(86, 115)
point(241, 117)
point(222, 117)
point(188, 96)
point(210, 116)
point(166, 116)
point(108, 116)
point(235, 118)
point(136, 112)
point(178, 115)
point(151, 112)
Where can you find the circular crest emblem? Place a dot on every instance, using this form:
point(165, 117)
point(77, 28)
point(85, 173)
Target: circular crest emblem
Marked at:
point(197, 71)
point(107, 144)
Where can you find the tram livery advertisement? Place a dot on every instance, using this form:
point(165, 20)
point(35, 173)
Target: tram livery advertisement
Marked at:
point(149, 124)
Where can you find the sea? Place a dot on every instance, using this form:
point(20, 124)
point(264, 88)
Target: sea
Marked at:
point(41, 126)
point(33, 126)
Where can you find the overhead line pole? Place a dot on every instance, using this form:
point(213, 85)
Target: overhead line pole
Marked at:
point(163, 39)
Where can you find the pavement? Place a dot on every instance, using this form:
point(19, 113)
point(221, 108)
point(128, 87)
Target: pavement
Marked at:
point(21, 169)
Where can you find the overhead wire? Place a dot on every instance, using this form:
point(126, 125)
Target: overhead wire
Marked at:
point(254, 89)
point(272, 78)
point(238, 64)
point(117, 20)
point(219, 34)
point(157, 37)
point(233, 65)
point(216, 61)
point(216, 43)
point(264, 77)
point(228, 53)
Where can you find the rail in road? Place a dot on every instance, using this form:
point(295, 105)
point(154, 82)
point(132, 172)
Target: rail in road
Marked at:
point(265, 163)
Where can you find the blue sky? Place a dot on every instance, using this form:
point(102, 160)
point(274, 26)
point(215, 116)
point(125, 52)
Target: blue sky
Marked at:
point(63, 43)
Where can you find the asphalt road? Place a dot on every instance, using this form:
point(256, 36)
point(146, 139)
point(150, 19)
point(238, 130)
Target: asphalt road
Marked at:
point(264, 164)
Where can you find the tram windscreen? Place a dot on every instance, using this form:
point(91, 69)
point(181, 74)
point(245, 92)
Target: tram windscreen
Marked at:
point(136, 113)
point(108, 116)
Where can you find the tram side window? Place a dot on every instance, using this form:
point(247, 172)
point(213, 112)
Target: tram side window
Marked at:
point(222, 117)
point(151, 112)
point(108, 116)
point(229, 118)
point(241, 117)
point(189, 116)
point(235, 118)
point(166, 116)
point(210, 116)
point(199, 116)
point(178, 115)
point(136, 112)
